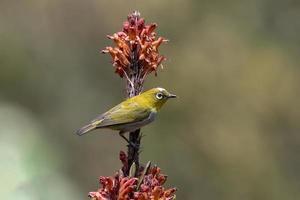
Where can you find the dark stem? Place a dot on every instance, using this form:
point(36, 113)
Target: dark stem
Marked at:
point(133, 90)
point(133, 150)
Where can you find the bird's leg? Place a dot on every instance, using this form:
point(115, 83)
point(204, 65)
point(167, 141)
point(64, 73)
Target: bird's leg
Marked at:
point(121, 133)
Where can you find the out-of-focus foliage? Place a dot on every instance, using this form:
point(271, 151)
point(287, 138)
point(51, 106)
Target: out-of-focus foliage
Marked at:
point(232, 134)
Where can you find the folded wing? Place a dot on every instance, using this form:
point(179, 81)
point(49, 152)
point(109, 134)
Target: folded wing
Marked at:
point(125, 113)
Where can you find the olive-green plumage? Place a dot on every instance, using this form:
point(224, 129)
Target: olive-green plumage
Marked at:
point(132, 113)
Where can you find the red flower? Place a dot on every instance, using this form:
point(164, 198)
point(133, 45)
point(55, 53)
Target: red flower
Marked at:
point(136, 44)
point(147, 186)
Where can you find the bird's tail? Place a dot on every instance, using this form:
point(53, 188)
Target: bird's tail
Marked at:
point(88, 128)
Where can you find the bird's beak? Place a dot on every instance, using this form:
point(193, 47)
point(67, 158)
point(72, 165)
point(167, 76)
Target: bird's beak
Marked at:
point(171, 96)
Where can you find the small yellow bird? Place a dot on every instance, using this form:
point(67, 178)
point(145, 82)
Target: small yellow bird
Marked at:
point(131, 114)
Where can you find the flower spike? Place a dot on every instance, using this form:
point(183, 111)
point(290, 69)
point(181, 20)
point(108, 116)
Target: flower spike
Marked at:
point(137, 45)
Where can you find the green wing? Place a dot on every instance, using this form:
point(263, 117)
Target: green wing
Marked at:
point(124, 113)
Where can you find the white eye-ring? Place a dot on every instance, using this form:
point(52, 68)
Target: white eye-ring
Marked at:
point(159, 95)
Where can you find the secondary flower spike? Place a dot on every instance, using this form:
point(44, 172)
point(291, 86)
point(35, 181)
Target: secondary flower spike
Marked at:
point(136, 46)
point(149, 185)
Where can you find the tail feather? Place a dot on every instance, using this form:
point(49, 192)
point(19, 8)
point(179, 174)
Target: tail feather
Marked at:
point(86, 129)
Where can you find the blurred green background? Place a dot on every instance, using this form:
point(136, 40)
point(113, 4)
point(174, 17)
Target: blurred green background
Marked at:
point(232, 134)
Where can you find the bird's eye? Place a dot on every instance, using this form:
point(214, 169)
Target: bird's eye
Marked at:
point(159, 95)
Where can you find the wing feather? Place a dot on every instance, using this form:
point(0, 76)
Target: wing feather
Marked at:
point(126, 112)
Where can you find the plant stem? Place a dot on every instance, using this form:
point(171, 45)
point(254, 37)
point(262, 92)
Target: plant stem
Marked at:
point(134, 137)
point(134, 87)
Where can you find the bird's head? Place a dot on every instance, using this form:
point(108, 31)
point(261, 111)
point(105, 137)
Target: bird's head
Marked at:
point(156, 97)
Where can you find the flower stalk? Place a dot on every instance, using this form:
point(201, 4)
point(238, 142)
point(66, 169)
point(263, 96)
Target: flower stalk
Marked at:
point(134, 57)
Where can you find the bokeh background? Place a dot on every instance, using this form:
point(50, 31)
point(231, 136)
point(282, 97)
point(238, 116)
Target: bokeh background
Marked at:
point(232, 134)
